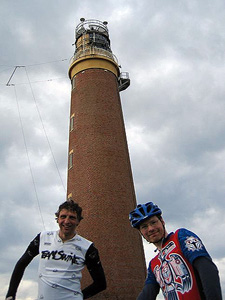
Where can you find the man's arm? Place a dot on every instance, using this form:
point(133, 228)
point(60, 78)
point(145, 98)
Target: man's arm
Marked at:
point(151, 287)
point(149, 292)
point(208, 275)
point(96, 271)
point(205, 270)
point(23, 262)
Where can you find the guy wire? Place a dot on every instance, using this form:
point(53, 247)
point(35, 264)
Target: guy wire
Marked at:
point(39, 114)
point(28, 157)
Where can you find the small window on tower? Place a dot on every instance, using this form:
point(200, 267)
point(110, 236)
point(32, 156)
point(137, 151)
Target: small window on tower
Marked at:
point(73, 82)
point(70, 196)
point(72, 122)
point(70, 160)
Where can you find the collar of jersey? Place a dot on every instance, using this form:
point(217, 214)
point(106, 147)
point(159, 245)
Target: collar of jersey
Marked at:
point(73, 238)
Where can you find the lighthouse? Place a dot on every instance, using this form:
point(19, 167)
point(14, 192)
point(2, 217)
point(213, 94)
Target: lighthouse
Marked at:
point(99, 171)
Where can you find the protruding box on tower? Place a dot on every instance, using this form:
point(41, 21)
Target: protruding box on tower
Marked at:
point(93, 51)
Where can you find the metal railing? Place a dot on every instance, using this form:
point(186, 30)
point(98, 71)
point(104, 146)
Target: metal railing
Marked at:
point(93, 51)
point(91, 25)
point(124, 75)
point(123, 81)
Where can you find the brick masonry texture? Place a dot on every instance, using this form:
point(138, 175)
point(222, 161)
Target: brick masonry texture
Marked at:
point(100, 180)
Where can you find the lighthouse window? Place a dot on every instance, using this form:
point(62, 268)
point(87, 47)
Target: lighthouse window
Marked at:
point(99, 41)
point(73, 82)
point(70, 196)
point(70, 160)
point(72, 122)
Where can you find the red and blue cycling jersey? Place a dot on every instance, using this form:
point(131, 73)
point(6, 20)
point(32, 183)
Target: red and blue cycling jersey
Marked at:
point(172, 267)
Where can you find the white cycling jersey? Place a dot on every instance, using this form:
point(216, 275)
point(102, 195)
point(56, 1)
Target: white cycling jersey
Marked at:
point(60, 266)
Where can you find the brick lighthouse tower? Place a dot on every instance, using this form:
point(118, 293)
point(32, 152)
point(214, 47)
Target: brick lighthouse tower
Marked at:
point(99, 171)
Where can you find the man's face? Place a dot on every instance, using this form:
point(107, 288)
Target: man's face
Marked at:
point(152, 229)
point(68, 222)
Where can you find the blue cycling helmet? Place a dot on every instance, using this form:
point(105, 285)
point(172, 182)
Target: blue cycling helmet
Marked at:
point(142, 212)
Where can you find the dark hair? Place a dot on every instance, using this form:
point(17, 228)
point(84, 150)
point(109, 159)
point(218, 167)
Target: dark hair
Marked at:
point(71, 206)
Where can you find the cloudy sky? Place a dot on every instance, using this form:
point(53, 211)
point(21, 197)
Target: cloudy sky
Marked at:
point(173, 113)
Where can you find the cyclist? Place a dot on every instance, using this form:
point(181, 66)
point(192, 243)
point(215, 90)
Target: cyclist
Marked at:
point(183, 269)
point(63, 255)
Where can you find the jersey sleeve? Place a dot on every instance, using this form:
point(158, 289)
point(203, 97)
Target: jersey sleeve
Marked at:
point(191, 245)
point(207, 276)
point(31, 251)
point(151, 287)
point(96, 271)
point(150, 291)
point(150, 276)
point(33, 248)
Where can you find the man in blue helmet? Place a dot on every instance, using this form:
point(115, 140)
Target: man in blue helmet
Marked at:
point(183, 269)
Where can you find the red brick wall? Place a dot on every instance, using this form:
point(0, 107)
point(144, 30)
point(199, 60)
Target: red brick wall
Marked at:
point(101, 182)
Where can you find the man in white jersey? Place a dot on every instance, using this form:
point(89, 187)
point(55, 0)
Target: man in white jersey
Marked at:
point(62, 256)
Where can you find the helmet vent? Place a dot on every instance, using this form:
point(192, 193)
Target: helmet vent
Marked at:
point(142, 210)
